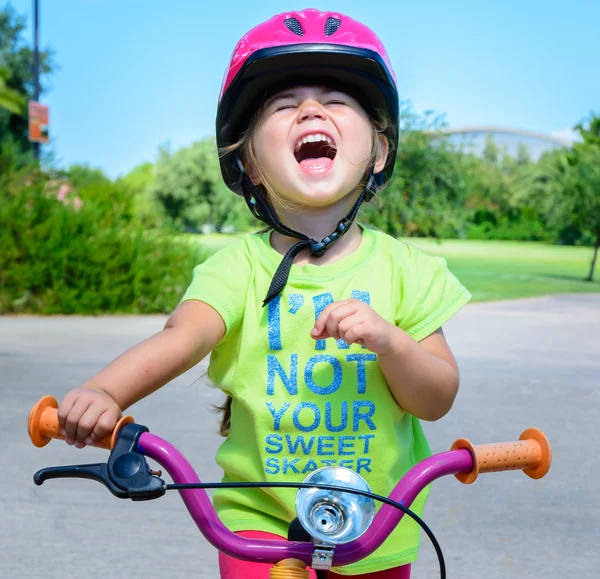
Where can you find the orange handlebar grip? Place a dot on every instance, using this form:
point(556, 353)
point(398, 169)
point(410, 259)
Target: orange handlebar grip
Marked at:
point(42, 425)
point(531, 453)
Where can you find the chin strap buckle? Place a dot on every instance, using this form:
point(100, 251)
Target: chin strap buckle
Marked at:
point(318, 248)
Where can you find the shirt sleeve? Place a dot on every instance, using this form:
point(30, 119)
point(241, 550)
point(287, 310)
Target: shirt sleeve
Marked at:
point(431, 294)
point(222, 282)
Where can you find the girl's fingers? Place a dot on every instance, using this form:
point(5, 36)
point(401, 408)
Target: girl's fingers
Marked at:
point(104, 425)
point(87, 422)
point(72, 420)
point(354, 334)
point(331, 327)
point(343, 318)
point(327, 310)
point(346, 326)
point(328, 319)
point(64, 408)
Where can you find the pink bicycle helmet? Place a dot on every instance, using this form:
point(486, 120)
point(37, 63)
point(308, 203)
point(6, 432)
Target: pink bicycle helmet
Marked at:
point(304, 47)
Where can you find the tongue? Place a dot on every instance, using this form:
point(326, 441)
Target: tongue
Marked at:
point(316, 164)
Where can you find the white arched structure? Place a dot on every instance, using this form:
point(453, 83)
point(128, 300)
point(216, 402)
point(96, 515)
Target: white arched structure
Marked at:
point(473, 139)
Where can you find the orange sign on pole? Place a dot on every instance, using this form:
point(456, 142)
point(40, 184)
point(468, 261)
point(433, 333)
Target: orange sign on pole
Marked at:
point(38, 123)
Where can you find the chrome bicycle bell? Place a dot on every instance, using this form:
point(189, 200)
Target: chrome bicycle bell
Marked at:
point(332, 516)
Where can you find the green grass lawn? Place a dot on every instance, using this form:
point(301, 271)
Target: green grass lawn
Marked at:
point(494, 270)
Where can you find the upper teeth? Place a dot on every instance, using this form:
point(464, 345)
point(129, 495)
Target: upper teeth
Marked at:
point(313, 139)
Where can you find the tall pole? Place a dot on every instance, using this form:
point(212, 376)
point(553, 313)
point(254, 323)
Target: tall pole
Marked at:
point(36, 66)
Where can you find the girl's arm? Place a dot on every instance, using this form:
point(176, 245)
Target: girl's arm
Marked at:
point(90, 412)
point(422, 376)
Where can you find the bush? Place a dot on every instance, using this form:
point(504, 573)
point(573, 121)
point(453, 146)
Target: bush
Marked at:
point(147, 209)
point(524, 226)
point(189, 188)
point(63, 256)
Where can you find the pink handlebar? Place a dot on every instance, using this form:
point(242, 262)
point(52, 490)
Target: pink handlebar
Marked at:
point(463, 461)
point(205, 517)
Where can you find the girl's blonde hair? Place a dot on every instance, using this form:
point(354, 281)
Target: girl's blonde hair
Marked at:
point(244, 149)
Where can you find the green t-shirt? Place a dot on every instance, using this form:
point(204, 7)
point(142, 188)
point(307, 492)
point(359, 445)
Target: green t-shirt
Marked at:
point(300, 404)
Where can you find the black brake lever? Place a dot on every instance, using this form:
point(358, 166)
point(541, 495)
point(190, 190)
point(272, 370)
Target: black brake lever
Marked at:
point(126, 474)
point(96, 471)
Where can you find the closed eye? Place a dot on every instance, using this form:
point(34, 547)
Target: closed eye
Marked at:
point(336, 102)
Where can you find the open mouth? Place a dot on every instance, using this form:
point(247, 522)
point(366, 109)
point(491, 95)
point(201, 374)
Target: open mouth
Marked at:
point(316, 150)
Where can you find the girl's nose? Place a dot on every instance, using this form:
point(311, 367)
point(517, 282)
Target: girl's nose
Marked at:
point(309, 110)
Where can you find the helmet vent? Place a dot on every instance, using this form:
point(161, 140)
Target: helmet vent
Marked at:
point(332, 25)
point(294, 25)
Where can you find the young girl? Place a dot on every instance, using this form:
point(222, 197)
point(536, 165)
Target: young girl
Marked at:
point(326, 336)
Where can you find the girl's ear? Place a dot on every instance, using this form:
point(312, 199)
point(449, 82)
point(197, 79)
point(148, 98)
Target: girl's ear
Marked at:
point(252, 173)
point(383, 149)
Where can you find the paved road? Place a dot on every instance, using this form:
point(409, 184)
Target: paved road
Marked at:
point(524, 363)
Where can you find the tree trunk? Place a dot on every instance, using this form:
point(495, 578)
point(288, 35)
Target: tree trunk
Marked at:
point(590, 277)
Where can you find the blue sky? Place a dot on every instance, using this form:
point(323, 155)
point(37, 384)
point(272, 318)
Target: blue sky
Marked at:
point(135, 75)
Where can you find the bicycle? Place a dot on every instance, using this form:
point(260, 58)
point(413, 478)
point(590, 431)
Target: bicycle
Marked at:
point(336, 522)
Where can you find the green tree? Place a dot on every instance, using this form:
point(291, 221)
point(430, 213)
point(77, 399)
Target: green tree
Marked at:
point(141, 181)
point(591, 133)
point(491, 179)
point(17, 57)
point(566, 186)
point(425, 196)
point(140, 178)
point(84, 175)
point(491, 152)
point(10, 100)
point(189, 187)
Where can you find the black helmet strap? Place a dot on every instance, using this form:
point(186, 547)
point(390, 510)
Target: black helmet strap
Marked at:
point(263, 211)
